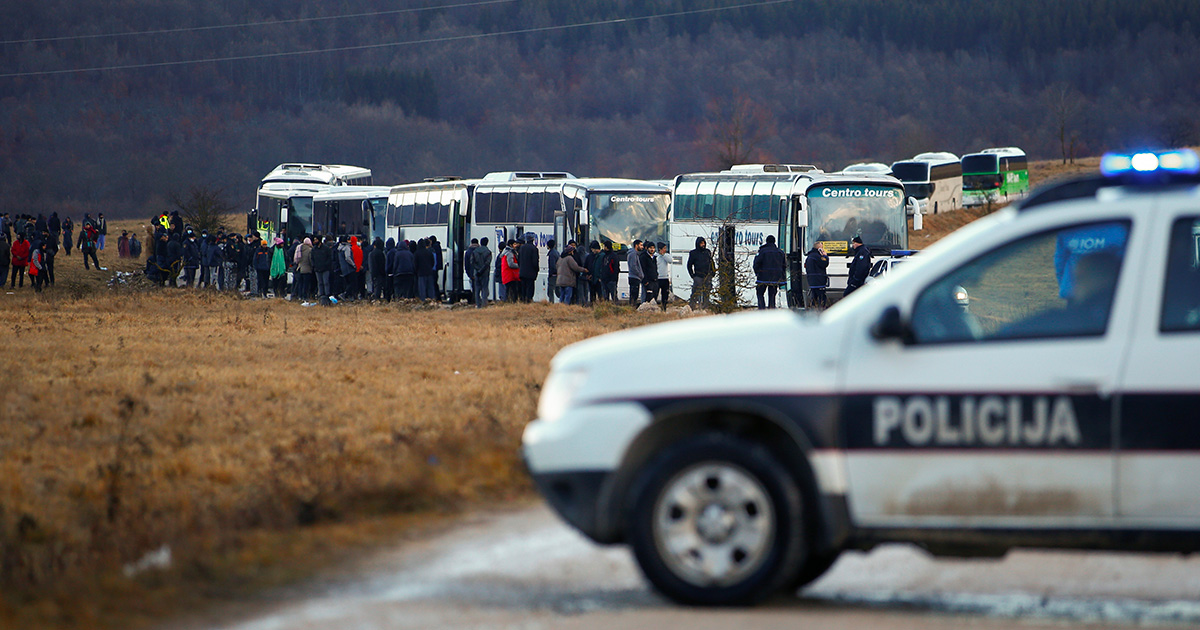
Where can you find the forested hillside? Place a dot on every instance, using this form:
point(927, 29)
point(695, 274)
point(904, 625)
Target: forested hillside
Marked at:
point(171, 94)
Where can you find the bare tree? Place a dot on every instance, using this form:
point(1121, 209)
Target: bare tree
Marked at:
point(1064, 103)
point(203, 208)
point(733, 129)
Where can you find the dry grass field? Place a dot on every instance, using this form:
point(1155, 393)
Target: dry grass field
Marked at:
point(256, 440)
point(227, 429)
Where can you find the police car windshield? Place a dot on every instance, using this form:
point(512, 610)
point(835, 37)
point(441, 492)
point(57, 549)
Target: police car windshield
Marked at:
point(874, 213)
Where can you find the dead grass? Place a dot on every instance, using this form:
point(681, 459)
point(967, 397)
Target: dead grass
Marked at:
point(222, 427)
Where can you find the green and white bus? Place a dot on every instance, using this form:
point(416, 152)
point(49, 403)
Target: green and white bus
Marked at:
point(998, 175)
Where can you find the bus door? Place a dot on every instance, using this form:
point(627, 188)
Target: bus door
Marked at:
point(793, 218)
point(458, 246)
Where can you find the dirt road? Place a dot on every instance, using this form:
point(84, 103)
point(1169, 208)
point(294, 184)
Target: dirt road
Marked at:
point(524, 569)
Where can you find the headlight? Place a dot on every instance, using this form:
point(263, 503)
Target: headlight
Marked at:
point(558, 392)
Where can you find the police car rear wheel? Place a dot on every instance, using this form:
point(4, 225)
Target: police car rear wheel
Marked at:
point(717, 521)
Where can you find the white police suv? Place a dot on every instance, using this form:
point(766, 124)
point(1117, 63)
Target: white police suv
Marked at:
point(1061, 409)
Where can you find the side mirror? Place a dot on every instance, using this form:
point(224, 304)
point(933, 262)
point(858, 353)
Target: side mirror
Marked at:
point(890, 325)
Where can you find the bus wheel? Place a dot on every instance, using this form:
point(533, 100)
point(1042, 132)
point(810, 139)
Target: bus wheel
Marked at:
point(717, 521)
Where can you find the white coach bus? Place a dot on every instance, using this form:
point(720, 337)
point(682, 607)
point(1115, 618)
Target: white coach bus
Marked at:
point(935, 180)
point(799, 205)
point(327, 174)
point(503, 205)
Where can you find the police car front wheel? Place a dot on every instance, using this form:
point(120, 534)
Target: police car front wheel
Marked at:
point(717, 521)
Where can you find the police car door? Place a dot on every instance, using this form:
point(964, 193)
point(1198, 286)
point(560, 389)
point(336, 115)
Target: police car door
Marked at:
point(1159, 434)
point(997, 409)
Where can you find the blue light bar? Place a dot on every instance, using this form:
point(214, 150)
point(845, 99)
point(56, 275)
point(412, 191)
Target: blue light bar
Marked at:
point(1146, 163)
point(899, 253)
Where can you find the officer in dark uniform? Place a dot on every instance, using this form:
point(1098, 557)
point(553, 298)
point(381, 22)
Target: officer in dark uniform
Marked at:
point(860, 267)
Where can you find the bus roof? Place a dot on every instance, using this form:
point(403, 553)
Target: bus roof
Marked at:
point(302, 172)
point(284, 190)
point(509, 176)
point(1002, 152)
point(935, 157)
point(868, 167)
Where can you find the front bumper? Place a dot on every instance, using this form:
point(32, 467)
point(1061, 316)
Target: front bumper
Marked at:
point(574, 495)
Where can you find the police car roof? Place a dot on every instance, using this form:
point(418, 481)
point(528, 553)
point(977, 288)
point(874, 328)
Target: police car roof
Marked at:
point(1125, 175)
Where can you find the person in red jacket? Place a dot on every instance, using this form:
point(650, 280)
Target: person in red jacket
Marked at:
point(20, 259)
point(510, 272)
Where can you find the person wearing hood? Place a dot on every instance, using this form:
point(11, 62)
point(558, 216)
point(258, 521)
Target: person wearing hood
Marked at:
point(426, 276)
point(391, 256)
point(406, 271)
point(357, 286)
point(304, 269)
point(769, 266)
point(191, 259)
point(569, 271)
point(552, 257)
point(278, 269)
point(261, 261)
point(37, 265)
point(816, 262)
point(700, 269)
point(214, 258)
point(49, 252)
point(345, 263)
point(377, 265)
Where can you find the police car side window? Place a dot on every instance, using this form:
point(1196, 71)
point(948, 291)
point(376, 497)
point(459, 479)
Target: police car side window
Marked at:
point(1181, 293)
point(1058, 283)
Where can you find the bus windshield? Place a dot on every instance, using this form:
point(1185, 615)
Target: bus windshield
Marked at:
point(838, 213)
point(911, 171)
point(621, 218)
point(972, 164)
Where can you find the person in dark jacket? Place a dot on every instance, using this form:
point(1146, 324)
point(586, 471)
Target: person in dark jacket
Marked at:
point(174, 259)
point(162, 258)
point(610, 272)
point(649, 271)
point(700, 268)
point(769, 265)
point(49, 252)
point(816, 262)
point(68, 227)
point(5, 254)
point(377, 263)
point(391, 258)
point(406, 271)
point(262, 267)
point(469, 267)
point(633, 267)
point(481, 264)
point(214, 258)
point(234, 269)
point(191, 259)
point(528, 261)
point(55, 225)
point(425, 262)
point(438, 265)
point(322, 265)
point(860, 266)
point(552, 257)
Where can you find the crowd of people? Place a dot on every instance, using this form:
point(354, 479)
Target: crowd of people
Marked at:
point(331, 269)
point(29, 245)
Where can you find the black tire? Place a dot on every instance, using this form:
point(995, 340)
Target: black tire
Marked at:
point(746, 512)
point(814, 567)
